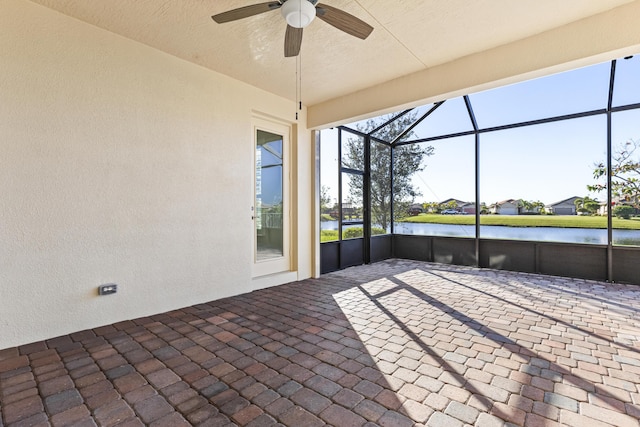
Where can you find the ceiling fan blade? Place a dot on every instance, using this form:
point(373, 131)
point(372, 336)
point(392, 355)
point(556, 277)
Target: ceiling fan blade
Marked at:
point(292, 41)
point(245, 12)
point(344, 21)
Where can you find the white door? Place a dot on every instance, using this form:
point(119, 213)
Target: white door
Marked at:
point(271, 209)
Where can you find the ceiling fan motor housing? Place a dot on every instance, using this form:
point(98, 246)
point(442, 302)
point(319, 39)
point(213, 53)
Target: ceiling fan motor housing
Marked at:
point(298, 13)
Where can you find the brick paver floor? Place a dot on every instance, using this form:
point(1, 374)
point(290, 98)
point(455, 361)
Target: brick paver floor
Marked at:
point(397, 343)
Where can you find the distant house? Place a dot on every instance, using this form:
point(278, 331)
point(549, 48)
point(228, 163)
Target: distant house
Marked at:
point(563, 207)
point(348, 211)
point(602, 210)
point(505, 207)
point(451, 200)
point(616, 202)
point(461, 206)
point(415, 209)
point(468, 208)
point(524, 211)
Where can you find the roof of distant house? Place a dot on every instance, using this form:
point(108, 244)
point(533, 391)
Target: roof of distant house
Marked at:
point(504, 202)
point(570, 200)
point(458, 202)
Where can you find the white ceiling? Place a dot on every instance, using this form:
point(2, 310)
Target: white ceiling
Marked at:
point(409, 36)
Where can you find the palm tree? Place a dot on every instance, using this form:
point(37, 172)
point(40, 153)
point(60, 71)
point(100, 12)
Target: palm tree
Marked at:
point(524, 206)
point(586, 205)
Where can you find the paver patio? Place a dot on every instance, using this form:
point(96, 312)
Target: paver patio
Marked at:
point(397, 343)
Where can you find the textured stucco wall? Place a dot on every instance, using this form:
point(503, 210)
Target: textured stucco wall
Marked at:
point(119, 163)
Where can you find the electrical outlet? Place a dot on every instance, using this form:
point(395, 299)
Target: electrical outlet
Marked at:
point(108, 289)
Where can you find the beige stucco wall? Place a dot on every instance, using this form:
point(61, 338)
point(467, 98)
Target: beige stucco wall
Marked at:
point(119, 163)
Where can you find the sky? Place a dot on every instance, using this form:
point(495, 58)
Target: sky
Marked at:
point(548, 163)
point(269, 173)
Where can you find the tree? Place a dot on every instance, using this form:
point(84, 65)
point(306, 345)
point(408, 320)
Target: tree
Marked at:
point(407, 160)
point(530, 206)
point(325, 200)
point(623, 211)
point(625, 173)
point(539, 206)
point(431, 207)
point(452, 204)
point(587, 206)
point(525, 205)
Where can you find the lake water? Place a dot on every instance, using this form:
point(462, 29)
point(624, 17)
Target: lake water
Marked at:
point(543, 234)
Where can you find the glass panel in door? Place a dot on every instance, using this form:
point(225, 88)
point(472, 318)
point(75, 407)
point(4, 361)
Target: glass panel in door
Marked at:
point(271, 205)
point(269, 192)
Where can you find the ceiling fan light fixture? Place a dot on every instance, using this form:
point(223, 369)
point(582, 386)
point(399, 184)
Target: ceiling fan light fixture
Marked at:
point(298, 13)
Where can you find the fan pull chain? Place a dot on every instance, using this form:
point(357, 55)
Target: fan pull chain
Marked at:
point(299, 70)
point(299, 83)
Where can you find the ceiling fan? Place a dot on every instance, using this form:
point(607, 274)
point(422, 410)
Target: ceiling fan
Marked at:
point(299, 14)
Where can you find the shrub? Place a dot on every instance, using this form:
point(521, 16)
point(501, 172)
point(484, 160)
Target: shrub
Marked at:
point(349, 233)
point(355, 232)
point(623, 211)
point(328, 235)
point(352, 233)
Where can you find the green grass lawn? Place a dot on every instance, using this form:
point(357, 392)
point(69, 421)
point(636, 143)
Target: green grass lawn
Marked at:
point(562, 221)
point(328, 235)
